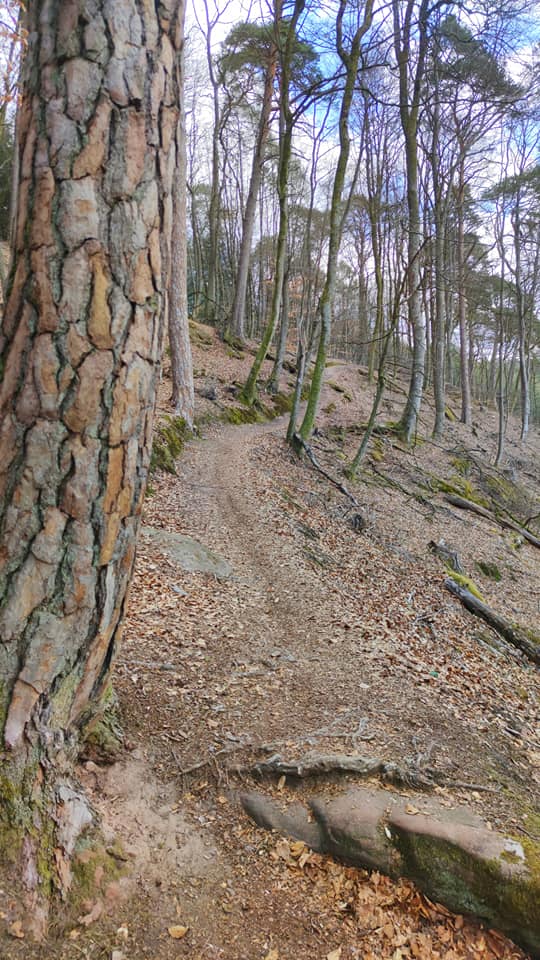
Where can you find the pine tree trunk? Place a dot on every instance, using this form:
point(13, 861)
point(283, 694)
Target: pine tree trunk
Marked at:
point(285, 152)
point(79, 346)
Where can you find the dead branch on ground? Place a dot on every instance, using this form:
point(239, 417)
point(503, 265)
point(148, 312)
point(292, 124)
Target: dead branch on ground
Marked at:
point(464, 504)
point(510, 631)
point(336, 483)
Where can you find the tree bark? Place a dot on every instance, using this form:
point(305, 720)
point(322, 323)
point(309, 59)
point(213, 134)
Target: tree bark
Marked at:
point(350, 60)
point(409, 102)
point(239, 303)
point(183, 392)
point(439, 324)
point(79, 347)
point(285, 152)
point(466, 414)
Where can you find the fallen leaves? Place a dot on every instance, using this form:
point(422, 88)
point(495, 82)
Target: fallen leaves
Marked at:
point(93, 914)
point(294, 853)
point(373, 909)
point(15, 930)
point(222, 688)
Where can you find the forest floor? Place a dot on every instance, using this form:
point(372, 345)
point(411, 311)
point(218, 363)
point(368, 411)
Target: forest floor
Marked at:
point(322, 637)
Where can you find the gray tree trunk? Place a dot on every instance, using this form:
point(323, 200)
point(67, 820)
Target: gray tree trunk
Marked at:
point(183, 393)
point(409, 100)
point(350, 60)
point(466, 414)
point(239, 303)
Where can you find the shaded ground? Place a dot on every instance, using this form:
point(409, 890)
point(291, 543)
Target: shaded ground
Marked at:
point(322, 638)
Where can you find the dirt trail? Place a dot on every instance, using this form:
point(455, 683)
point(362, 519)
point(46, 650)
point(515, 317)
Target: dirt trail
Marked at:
point(318, 641)
point(322, 639)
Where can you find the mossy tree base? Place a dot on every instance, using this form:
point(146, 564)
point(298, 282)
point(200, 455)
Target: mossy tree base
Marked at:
point(43, 815)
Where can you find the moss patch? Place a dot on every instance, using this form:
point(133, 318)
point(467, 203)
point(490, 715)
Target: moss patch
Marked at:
point(462, 466)
point(339, 389)
point(489, 570)
point(377, 450)
point(169, 439)
point(200, 335)
point(470, 885)
point(103, 737)
point(283, 403)
point(466, 583)
point(242, 414)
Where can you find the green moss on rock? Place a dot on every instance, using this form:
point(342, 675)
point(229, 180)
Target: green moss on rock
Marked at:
point(339, 389)
point(242, 414)
point(169, 439)
point(473, 885)
point(200, 335)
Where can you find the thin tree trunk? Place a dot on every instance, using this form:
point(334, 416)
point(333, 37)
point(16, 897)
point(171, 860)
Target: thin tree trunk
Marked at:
point(285, 151)
point(250, 388)
point(466, 415)
point(239, 303)
point(522, 331)
point(409, 106)
point(80, 344)
point(350, 61)
point(211, 312)
point(438, 348)
point(502, 401)
point(277, 369)
point(183, 393)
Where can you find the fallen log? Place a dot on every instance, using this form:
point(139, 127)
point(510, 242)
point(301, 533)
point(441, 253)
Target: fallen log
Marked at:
point(464, 504)
point(446, 554)
point(510, 631)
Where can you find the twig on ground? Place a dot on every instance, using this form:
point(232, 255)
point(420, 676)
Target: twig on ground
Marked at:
point(311, 456)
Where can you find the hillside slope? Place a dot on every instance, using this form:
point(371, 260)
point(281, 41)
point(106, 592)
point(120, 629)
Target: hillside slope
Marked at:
point(288, 629)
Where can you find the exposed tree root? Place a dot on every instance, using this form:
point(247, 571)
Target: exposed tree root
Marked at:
point(464, 504)
point(320, 764)
point(510, 631)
